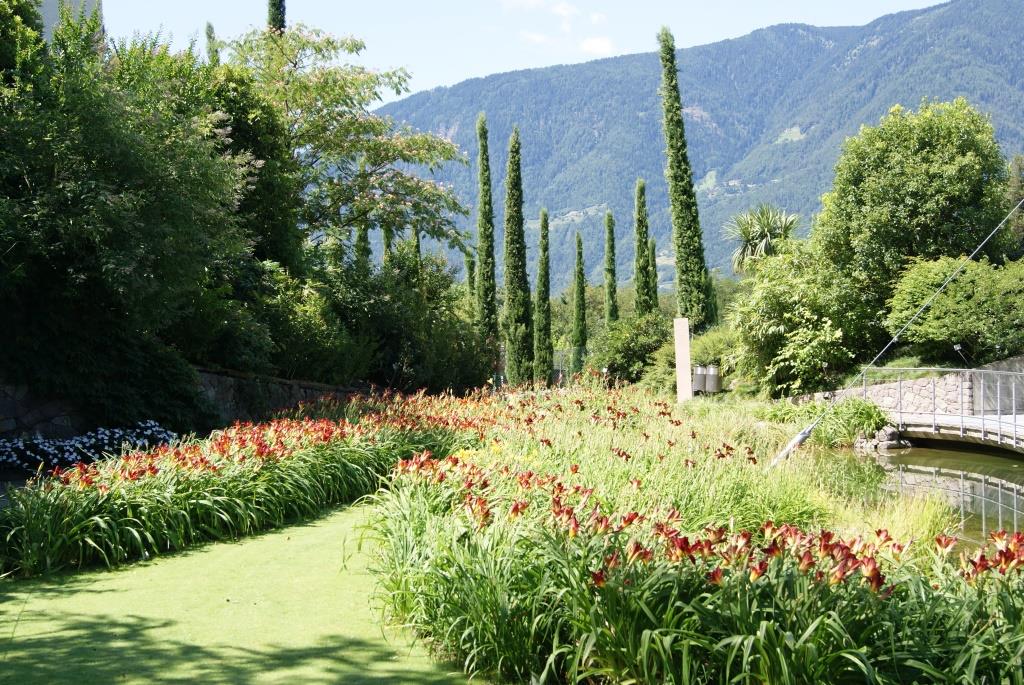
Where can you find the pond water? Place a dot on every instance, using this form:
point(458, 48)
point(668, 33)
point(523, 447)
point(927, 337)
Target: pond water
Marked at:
point(970, 458)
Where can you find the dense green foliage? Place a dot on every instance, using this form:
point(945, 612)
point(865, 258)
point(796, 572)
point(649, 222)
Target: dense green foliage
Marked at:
point(611, 298)
point(158, 210)
point(981, 310)
point(920, 184)
point(758, 233)
point(1014, 199)
point(644, 280)
point(543, 349)
point(578, 342)
point(486, 289)
point(799, 325)
point(766, 115)
point(625, 350)
point(691, 273)
point(840, 425)
point(517, 322)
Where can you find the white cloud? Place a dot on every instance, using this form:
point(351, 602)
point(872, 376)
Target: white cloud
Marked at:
point(522, 4)
point(600, 46)
point(598, 18)
point(534, 37)
point(566, 12)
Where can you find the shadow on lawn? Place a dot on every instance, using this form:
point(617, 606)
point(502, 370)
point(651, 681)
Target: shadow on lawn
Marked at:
point(105, 649)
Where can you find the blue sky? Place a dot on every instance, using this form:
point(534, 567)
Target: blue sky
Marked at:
point(442, 42)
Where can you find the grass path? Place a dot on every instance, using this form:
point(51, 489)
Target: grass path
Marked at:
point(285, 607)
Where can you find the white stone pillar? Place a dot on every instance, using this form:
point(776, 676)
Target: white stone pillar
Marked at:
point(684, 379)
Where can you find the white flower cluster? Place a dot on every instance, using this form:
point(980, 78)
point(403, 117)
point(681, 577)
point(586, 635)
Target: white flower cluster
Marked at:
point(29, 453)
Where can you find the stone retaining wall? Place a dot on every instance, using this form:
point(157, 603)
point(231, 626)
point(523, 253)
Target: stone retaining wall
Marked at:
point(235, 397)
point(917, 394)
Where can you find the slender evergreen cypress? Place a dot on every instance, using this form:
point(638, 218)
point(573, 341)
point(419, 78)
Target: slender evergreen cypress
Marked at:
point(518, 319)
point(212, 45)
point(276, 15)
point(579, 311)
point(543, 351)
point(486, 286)
point(611, 295)
point(652, 273)
point(642, 262)
point(470, 262)
point(363, 253)
point(687, 242)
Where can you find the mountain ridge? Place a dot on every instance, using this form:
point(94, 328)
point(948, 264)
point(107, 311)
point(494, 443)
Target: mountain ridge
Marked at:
point(766, 116)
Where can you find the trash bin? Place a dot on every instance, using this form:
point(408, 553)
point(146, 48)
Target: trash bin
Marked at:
point(699, 376)
point(712, 381)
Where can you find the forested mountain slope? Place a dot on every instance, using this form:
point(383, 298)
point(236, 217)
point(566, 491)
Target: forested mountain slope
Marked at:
point(766, 116)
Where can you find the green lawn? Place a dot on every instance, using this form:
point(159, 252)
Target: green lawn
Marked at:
point(292, 606)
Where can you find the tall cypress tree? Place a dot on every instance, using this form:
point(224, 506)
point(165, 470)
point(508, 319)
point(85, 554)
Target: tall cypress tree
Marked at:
point(642, 262)
point(363, 253)
point(652, 273)
point(212, 45)
point(276, 15)
point(486, 286)
point(611, 295)
point(579, 311)
point(543, 351)
point(691, 279)
point(470, 263)
point(518, 319)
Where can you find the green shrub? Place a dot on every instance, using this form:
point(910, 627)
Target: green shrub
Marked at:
point(626, 349)
point(716, 346)
point(801, 326)
point(982, 310)
point(841, 425)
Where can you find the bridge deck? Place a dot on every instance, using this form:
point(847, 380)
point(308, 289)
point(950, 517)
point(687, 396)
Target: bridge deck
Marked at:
point(1005, 431)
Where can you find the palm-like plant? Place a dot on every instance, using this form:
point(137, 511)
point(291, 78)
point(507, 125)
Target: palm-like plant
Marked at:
point(759, 233)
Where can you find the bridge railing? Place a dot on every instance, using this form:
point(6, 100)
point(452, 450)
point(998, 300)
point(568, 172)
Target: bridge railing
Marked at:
point(981, 403)
point(986, 502)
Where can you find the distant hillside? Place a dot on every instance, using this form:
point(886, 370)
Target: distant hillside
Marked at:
point(766, 116)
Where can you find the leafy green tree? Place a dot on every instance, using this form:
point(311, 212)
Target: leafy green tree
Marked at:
point(758, 233)
point(486, 291)
point(117, 219)
point(276, 15)
point(924, 184)
point(645, 304)
point(611, 300)
point(543, 349)
point(268, 208)
point(517, 324)
point(981, 310)
point(21, 45)
point(798, 325)
point(354, 165)
point(626, 348)
point(691, 279)
point(579, 307)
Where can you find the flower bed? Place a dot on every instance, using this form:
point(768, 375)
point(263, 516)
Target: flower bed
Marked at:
point(32, 454)
point(607, 537)
point(238, 481)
